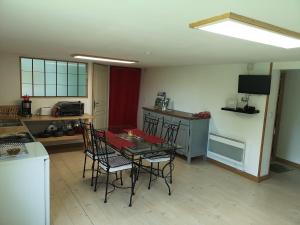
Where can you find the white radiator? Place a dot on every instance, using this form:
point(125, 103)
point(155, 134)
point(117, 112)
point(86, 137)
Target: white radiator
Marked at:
point(226, 150)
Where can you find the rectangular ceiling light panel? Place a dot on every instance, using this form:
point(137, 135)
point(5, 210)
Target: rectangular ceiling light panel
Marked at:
point(237, 26)
point(103, 59)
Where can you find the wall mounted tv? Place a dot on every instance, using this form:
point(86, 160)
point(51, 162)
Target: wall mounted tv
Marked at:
point(254, 84)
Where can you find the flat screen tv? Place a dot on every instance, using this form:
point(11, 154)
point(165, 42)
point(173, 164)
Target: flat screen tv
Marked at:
point(254, 84)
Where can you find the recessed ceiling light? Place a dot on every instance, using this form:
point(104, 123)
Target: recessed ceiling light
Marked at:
point(103, 59)
point(237, 26)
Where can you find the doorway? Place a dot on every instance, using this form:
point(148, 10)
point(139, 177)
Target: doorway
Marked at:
point(286, 141)
point(100, 95)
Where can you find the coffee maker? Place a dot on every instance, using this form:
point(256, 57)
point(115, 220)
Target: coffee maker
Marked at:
point(26, 106)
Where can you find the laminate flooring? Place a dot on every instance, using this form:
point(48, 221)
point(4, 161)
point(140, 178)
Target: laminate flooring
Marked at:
point(202, 193)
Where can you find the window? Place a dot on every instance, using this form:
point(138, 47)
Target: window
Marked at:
point(52, 78)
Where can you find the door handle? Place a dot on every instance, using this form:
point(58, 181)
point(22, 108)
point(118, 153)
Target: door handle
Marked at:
point(95, 103)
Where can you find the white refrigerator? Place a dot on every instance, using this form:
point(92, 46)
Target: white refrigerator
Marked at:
point(24, 187)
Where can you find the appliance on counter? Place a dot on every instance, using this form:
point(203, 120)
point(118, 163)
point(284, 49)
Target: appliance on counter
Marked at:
point(45, 111)
point(68, 109)
point(26, 106)
point(24, 189)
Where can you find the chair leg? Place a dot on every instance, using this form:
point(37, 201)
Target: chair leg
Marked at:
point(93, 165)
point(96, 181)
point(116, 175)
point(171, 178)
point(139, 168)
point(157, 169)
point(121, 177)
point(107, 177)
point(133, 177)
point(83, 175)
point(151, 168)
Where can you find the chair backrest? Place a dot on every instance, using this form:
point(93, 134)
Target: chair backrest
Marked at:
point(100, 143)
point(150, 125)
point(87, 129)
point(169, 131)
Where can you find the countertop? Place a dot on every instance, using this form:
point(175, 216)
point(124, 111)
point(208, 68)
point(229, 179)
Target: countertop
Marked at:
point(23, 128)
point(13, 129)
point(175, 113)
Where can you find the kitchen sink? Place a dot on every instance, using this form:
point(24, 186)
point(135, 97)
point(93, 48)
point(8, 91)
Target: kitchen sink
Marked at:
point(10, 123)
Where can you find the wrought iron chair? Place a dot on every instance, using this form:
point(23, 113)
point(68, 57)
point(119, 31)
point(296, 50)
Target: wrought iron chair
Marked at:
point(113, 164)
point(169, 132)
point(150, 125)
point(89, 148)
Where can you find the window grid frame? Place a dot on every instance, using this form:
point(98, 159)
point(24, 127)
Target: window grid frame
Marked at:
point(56, 85)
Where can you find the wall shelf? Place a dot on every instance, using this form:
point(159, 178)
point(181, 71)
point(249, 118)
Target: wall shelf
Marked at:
point(240, 110)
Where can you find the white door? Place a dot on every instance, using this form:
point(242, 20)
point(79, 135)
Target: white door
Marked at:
point(100, 96)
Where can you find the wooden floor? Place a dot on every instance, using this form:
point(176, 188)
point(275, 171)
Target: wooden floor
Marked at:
point(202, 194)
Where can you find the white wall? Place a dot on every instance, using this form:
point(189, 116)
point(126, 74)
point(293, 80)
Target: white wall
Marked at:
point(198, 88)
point(10, 86)
point(288, 146)
point(269, 128)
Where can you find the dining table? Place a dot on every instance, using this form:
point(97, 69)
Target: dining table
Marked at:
point(135, 144)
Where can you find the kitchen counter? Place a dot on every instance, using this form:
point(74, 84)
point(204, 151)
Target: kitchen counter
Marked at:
point(35, 119)
point(13, 129)
point(174, 113)
point(54, 118)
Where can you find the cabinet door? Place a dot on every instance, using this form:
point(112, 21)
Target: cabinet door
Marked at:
point(183, 140)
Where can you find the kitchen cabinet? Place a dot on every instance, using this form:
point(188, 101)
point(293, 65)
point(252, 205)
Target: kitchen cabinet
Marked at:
point(192, 134)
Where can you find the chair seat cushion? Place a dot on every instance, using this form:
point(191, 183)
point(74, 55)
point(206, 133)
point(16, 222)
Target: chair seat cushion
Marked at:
point(110, 151)
point(157, 157)
point(117, 163)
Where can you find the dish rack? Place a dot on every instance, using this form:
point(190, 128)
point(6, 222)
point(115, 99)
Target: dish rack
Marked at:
point(9, 110)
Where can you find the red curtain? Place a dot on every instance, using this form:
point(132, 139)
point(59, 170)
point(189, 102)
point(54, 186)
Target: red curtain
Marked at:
point(124, 88)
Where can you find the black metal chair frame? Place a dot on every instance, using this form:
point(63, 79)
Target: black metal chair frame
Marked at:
point(90, 150)
point(101, 145)
point(88, 147)
point(169, 132)
point(150, 124)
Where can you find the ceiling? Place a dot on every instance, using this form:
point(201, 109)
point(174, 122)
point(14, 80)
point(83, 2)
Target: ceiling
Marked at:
point(154, 32)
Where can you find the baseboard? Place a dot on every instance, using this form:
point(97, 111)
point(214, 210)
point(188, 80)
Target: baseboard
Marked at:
point(239, 172)
point(287, 162)
point(265, 177)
